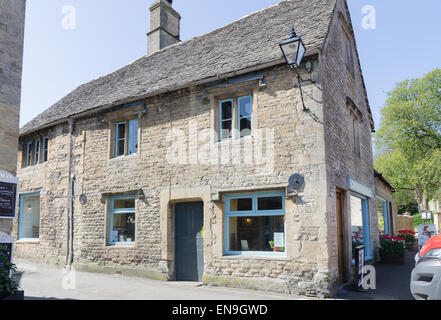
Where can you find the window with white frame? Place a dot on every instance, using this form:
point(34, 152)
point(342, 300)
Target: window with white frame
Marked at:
point(29, 220)
point(122, 220)
point(235, 115)
point(126, 138)
point(255, 224)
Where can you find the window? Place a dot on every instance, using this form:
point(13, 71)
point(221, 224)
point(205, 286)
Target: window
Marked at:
point(28, 154)
point(29, 221)
point(45, 148)
point(349, 56)
point(126, 138)
point(235, 114)
point(255, 224)
point(355, 135)
point(383, 217)
point(37, 152)
point(122, 220)
point(360, 224)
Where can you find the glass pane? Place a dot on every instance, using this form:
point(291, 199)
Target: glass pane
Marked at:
point(226, 130)
point(30, 219)
point(133, 136)
point(245, 106)
point(241, 204)
point(227, 110)
point(357, 223)
point(124, 203)
point(123, 229)
point(270, 203)
point(121, 130)
point(120, 150)
point(380, 208)
point(245, 127)
point(257, 233)
point(290, 51)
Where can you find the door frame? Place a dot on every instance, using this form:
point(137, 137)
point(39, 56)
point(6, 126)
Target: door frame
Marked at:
point(341, 235)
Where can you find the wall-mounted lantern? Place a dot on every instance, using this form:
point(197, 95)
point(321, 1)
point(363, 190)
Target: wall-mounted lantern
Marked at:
point(293, 49)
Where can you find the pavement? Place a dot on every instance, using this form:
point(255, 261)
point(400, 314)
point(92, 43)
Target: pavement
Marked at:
point(393, 282)
point(46, 282)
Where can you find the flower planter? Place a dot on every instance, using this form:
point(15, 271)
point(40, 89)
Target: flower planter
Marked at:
point(411, 246)
point(392, 258)
point(19, 295)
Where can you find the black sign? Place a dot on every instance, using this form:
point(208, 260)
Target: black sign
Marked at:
point(359, 265)
point(8, 195)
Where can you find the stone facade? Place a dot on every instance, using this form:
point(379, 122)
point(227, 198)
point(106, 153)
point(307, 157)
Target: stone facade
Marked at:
point(12, 15)
point(384, 191)
point(322, 153)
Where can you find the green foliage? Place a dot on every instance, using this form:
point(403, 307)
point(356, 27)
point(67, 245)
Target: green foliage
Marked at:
point(408, 142)
point(411, 207)
point(392, 247)
point(7, 285)
point(419, 221)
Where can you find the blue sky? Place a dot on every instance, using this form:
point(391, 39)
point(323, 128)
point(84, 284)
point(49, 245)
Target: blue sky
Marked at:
point(112, 33)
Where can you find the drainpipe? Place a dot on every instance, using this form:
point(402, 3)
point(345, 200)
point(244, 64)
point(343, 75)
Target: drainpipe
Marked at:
point(69, 221)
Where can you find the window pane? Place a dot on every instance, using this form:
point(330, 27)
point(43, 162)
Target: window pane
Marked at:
point(30, 219)
point(227, 110)
point(245, 127)
point(124, 203)
point(257, 233)
point(123, 229)
point(380, 208)
point(45, 150)
point(226, 129)
point(241, 204)
point(357, 222)
point(120, 150)
point(133, 136)
point(245, 106)
point(37, 152)
point(121, 130)
point(270, 203)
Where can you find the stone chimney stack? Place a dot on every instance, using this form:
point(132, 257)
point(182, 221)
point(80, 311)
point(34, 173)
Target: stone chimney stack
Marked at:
point(164, 26)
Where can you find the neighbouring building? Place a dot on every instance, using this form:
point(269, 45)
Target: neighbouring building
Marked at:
point(12, 20)
point(178, 166)
point(386, 207)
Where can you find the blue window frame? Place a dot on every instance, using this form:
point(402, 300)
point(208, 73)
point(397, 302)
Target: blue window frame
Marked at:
point(28, 154)
point(255, 224)
point(36, 152)
point(226, 108)
point(360, 215)
point(383, 211)
point(245, 112)
point(29, 219)
point(126, 132)
point(122, 220)
point(45, 149)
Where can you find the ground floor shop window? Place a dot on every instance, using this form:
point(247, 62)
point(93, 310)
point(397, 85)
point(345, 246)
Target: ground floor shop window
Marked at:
point(122, 220)
point(29, 221)
point(383, 216)
point(360, 223)
point(255, 224)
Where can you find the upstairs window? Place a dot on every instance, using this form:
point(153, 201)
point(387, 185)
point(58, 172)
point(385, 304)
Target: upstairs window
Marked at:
point(355, 135)
point(126, 138)
point(45, 149)
point(28, 154)
point(36, 152)
point(235, 115)
point(349, 56)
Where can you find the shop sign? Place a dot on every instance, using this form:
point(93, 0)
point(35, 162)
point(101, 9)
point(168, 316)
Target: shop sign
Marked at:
point(360, 188)
point(8, 195)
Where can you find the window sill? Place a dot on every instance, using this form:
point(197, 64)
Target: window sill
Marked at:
point(235, 140)
point(121, 158)
point(30, 241)
point(256, 256)
point(122, 245)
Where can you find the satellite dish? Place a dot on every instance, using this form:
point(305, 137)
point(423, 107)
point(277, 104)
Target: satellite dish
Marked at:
point(296, 183)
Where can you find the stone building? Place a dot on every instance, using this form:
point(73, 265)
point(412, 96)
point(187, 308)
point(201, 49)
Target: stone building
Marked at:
point(12, 19)
point(177, 166)
point(386, 207)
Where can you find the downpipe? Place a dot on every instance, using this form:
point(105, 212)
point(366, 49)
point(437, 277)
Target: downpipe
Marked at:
point(69, 217)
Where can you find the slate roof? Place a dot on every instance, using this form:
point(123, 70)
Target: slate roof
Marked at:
point(245, 43)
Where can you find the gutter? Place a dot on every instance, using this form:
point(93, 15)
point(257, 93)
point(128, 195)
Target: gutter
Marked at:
point(190, 84)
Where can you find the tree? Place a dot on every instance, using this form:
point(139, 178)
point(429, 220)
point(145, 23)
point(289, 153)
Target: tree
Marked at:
point(408, 142)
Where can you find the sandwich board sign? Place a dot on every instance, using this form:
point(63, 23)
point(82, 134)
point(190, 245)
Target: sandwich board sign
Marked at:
point(8, 195)
point(6, 245)
point(425, 232)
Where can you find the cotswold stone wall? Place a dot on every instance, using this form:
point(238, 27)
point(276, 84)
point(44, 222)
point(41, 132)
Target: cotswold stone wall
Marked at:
point(383, 190)
point(12, 15)
point(298, 148)
point(341, 162)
